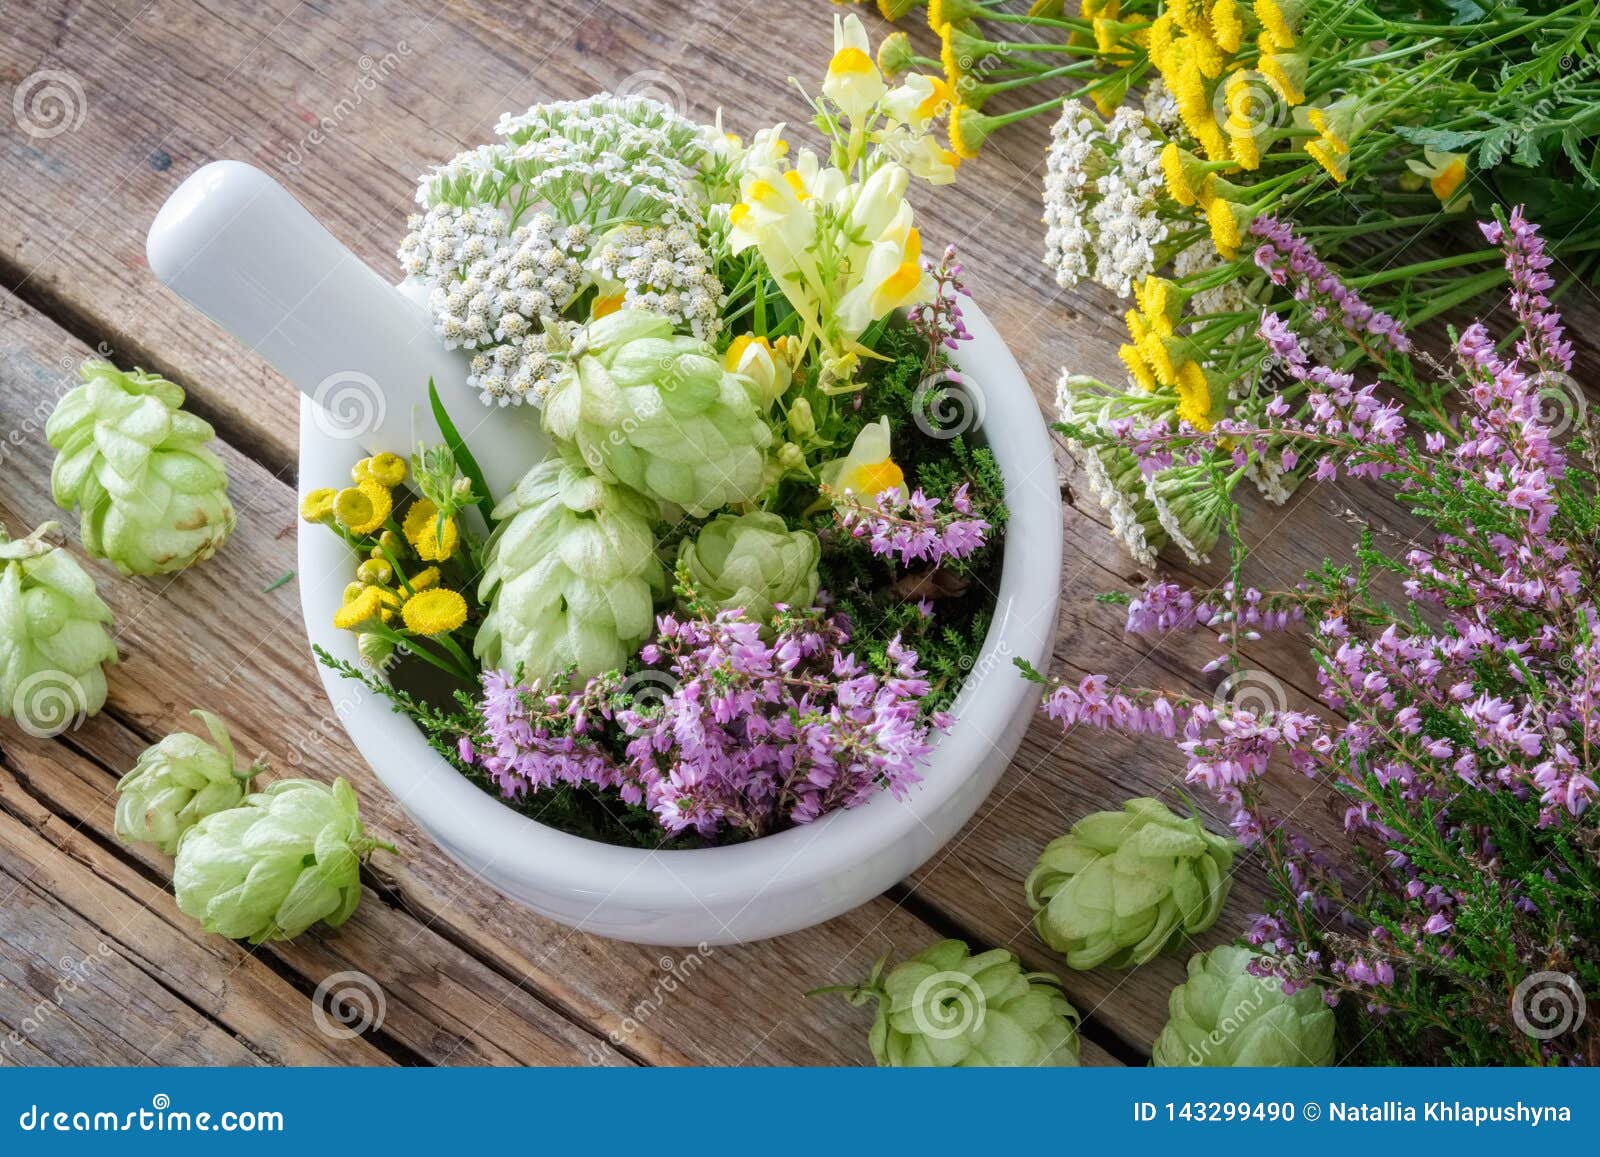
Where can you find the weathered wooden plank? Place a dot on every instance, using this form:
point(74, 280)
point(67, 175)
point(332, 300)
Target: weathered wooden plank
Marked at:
point(437, 1002)
point(211, 636)
point(72, 995)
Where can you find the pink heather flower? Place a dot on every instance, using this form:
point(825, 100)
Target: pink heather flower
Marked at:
point(914, 531)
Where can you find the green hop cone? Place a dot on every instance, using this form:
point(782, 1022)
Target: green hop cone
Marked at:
point(178, 782)
point(1122, 886)
point(570, 574)
point(658, 412)
point(151, 498)
point(749, 562)
point(268, 870)
point(53, 638)
point(945, 1007)
point(1223, 1016)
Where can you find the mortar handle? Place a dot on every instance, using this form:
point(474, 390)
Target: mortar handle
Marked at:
point(237, 246)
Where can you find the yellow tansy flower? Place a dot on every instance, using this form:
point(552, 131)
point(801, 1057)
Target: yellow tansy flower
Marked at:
point(968, 129)
point(318, 505)
point(1185, 174)
point(1243, 149)
point(387, 469)
point(1194, 396)
point(1190, 15)
point(422, 532)
point(434, 612)
point(1280, 18)
point(1286, 73)
point(1229, 222)
point(425, 579)
point(1334, 162)
point(895, 53)
point(362, 508)
point(942, 13)
point(365, 607)
point(351, 590)
point(1161, 42)
point(1138, 368)
point(892, 10)
point(376, 572)
point(1227, 25)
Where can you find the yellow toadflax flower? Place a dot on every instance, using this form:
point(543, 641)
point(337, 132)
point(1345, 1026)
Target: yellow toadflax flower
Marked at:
point(422, 532)
point(363, 508)
point(434, 612)
point(869, 469)
point(1446, 174)
point(853, 81)
point(317, 506)
point(607, 304)
point(1281, 19)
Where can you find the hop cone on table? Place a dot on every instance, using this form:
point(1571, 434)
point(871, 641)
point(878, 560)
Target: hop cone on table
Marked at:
point(658, 412)
point(151, 498)
point(945, 1007)
point(289, 857)
point(1224, 1016)
point(53, 638)
point(570, 574)
point(178, 782)
point(1122, 886)
point(750, 562)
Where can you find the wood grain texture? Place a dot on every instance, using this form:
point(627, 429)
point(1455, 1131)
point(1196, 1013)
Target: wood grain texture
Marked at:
point(346, 104)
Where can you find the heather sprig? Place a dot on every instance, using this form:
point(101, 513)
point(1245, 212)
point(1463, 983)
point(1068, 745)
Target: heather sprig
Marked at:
point(1459, 727)
point(727, 729)
point(913, 531)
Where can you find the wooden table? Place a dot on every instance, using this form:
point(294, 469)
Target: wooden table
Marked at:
point(346, 103)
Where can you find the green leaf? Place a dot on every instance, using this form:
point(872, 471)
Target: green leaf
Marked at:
point(464, 458)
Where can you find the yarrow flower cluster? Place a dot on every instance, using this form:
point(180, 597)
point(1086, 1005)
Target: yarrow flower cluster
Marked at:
point(507, 245)
point(1101, 187)
point(758, 730)
point(1465, 729)
point(663, 270)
